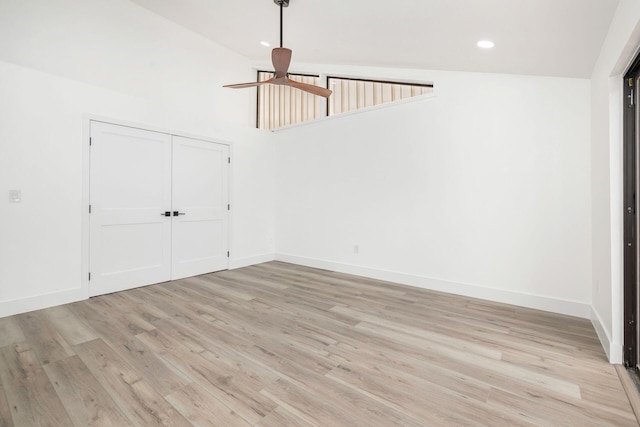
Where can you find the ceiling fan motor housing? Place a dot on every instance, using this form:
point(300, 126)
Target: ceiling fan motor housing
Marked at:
point(283, 3)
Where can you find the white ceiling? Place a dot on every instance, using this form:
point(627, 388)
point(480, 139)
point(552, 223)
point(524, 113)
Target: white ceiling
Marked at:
point(538, 37)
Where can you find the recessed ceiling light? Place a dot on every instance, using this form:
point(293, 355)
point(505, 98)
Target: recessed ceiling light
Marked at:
point(265, 44)
point(486, 44)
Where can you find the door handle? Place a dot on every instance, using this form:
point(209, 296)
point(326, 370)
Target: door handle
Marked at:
point(176, 213)
point(167, 213)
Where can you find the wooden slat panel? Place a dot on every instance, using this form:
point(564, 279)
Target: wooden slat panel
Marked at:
point(283, 106)
point(387, 93)
point(360, 94)
point(352, 99)
point(351, 95)
point(406, 91)
point(368, 94)
point(377, 92)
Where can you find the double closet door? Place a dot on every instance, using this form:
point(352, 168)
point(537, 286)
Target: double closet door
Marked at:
point(159, 207)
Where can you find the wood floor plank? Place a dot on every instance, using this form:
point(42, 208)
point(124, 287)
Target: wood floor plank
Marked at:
point(540, 411)
point(202, 409)
point(6, 420)
point(473, 334)
point(422, 376)
point(85, 400)
point(423, 334)
point(127, 320)
point(496, 369)
point(325, 402)
point(71, 327)
point(30, 395)
point(238, 321)
point(145, 312)
point(10, 332)
point(140, 403)
point(415, 396)
point(278, 344)
point(46, 341)
point(281, 417)
point(630, 388)
point(161, 376)
point(219, 288)
point(237, 389)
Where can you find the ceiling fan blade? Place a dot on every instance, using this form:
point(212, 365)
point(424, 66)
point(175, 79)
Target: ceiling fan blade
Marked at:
point(316, 90)
point(241, 85)
point(281, 58)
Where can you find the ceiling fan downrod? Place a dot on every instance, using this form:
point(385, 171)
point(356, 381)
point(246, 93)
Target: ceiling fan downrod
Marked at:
point(281, 59)
point(281, 3)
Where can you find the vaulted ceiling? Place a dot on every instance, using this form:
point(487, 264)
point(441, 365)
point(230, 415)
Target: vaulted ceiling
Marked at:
point(537, 37)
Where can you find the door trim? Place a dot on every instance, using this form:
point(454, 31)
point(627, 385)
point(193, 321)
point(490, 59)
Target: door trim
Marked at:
point(630, 212)
point(629, 242)
point(87, 118)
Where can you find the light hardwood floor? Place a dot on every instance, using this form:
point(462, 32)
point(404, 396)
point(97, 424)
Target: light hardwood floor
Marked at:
point(283, 345)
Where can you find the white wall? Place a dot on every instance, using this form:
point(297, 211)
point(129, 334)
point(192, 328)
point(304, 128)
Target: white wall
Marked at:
point(618, 50)
point(482, 190)
point(121, 46)
point(61, 59)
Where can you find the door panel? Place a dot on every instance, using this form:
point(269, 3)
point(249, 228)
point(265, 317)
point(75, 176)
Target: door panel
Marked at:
point(200, 194)
point(636, 243)
point(631, 221)
point(130, 186)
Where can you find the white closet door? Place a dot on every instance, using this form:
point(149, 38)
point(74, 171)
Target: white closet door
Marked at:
point(130, 189)
point(200, 197)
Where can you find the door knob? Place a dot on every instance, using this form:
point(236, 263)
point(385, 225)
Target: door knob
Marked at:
point(176, 213)
point(167, 213)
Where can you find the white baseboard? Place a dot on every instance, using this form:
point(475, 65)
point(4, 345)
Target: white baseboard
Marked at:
point(615, 356)
point(572, 308)
point(613, 350)
point(602, 333)
point(245, 262)
point(555, 305)
point(23, 305)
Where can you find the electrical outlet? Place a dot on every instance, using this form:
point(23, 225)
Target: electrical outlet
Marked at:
point(356, 249)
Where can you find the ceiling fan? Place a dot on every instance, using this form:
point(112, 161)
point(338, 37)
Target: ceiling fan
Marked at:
point(281, 58)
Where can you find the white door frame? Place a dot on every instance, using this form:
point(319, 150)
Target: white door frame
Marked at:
point(86, 170)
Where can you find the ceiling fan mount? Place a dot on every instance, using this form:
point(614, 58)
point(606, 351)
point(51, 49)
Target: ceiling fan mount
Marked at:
point(281, 58)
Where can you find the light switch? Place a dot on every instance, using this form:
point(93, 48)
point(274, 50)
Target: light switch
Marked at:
point(15, 196)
